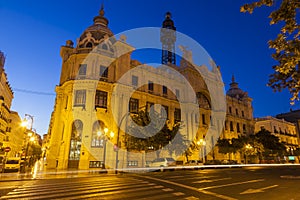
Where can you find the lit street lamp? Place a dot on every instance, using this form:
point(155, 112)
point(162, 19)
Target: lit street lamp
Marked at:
point(202, 144)
point(105, 137)
point(30, 137)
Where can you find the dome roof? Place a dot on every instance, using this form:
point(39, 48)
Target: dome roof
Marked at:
point(95, 33)
point(235, 91)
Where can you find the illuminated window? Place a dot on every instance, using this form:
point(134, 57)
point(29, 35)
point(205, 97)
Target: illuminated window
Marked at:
point(133, 105)
point(132, 163)
point(98, 134)
point(80, 96)
point(96, 164)
point(101, 99)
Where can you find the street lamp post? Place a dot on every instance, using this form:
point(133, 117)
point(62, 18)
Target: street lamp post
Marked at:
point(118, 138)
point(105, 137)
point(202, 144)
point(30, 137)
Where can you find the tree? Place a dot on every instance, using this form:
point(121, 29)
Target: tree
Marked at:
point(270, 143)
point(140, 139)
point(224, 147)
point(286, 73)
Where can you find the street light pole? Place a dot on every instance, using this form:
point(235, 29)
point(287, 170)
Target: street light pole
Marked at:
point(29, 136)
point(118, 138)
point(202, 143)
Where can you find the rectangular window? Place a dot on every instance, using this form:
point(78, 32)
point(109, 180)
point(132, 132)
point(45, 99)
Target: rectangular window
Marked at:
point(177, 115)
point(133, 105)
point(238, 128)
point(80, 96)
point(237, 112)
point(230, 110)
point(82, 69)
point(226, 128)
point(166, 108)
point(132, 163)
point(177, 93)
point(96, 164)
point(231, 126)
point(150, 86)
point(243, 114)
point(101, 99)
point(244, 128)
point(97, 141)
point(103, 73)
point(165, 90)
point(203, 119)
point(135, 80)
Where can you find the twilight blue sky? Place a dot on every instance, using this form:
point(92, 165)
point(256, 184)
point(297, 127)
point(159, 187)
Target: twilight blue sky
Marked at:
point(32, 32)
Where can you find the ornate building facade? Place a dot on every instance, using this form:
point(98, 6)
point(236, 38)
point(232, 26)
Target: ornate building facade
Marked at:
point(101, 86)
point(284, 130)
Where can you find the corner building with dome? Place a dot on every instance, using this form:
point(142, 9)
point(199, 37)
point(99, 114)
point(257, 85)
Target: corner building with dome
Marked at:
point(101, 87)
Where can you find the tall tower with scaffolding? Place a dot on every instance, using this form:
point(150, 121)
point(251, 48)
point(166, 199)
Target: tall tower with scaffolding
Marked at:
point(168, 39)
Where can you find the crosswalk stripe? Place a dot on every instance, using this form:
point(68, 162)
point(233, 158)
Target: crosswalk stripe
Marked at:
point(78, 189)
point(112, 188)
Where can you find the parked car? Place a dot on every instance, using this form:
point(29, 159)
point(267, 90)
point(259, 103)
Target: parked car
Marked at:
point(193, 162)
point(228, 162)
point(162, 162)
point(213, 162)
point(11, 164)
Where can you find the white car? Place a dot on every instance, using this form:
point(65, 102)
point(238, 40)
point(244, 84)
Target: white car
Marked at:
point(11, 164)
point(162, 162)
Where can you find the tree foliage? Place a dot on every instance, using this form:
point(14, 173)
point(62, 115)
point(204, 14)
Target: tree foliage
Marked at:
point(139, 139)
point(286, 73)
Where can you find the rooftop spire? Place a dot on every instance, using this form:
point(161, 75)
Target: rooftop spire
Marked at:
point(233, 79)
point(101, 11)
point(100, 19)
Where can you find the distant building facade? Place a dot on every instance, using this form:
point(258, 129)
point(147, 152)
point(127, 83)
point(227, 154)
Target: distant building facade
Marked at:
point(15, 135)
point(89, 115)
point(294, 117)
point(6, 96)
point(284, 130)
point(239, 117)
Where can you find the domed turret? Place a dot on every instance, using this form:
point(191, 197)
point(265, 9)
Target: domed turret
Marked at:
point(235, 91)
point(94, 34)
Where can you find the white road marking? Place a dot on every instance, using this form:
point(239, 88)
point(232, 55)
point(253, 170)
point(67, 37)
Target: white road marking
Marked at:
point(252, 191)
point(192, 198)
point(230, 184)
point(168, 190)
point(178, 194)
point(188, 187)
point(211, 180)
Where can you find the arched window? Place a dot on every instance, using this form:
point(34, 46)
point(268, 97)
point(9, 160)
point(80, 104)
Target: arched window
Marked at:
point(104, 46)
point(203, 101)
point(89, 45)
point(98, 134)
point(75, 144)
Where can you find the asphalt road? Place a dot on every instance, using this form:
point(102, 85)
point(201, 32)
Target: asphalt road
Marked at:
point(229, 184)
